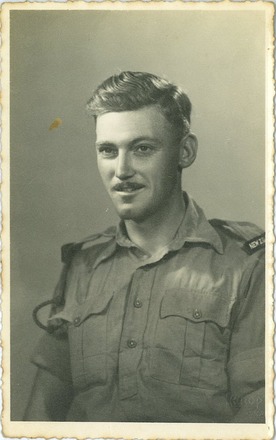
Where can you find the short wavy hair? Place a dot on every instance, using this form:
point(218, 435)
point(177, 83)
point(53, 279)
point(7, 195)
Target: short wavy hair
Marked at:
point(134, 90)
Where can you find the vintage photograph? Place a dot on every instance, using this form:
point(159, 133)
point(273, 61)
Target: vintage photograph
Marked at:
point(137, 220)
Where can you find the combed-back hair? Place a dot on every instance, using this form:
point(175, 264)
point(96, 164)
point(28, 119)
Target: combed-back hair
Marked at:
point(134, 90)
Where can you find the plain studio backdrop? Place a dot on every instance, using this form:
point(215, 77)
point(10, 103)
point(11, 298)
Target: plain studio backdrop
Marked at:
point(57, 59)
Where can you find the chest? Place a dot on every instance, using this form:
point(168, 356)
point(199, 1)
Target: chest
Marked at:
point(171, 318)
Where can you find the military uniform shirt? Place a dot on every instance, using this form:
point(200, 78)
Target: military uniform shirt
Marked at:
point(176, 337)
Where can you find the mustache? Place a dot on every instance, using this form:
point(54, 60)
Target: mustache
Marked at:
point(124, 186)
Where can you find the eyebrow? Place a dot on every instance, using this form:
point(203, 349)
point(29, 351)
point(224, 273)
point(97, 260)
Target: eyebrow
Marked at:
point(104, 144)
point(134, 141)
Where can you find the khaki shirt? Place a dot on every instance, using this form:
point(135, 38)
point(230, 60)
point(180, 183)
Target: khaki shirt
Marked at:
point(178, 337)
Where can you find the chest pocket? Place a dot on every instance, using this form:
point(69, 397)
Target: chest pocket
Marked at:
point(191, 339)
point(87, 331)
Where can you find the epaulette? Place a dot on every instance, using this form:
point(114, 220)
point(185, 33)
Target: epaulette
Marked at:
point(250, 236)
point(70, 249)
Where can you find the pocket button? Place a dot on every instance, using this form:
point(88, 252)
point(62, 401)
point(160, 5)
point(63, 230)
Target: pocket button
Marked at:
point(197, 314)
point(77, 321)
point(146, 267)
point(137, 303)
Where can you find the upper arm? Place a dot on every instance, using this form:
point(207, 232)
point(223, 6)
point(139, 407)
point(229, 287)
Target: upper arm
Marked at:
point(52, 391)
point(246, 367)
point(252, 408)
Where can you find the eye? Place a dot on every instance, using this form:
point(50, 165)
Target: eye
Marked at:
point(106, 151)
point(144, 149)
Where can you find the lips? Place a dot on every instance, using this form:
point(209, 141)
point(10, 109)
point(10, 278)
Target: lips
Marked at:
point(127, 187)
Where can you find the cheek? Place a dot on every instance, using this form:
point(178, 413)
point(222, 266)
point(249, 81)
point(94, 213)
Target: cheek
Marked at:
point(161, 170)
point(158, 178)
point(105, 169)
point(169, 167)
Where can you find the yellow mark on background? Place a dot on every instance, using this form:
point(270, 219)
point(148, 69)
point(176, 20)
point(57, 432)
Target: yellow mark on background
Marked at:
point(55, 124)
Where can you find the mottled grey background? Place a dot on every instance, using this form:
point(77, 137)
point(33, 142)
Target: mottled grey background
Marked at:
point(57, 58)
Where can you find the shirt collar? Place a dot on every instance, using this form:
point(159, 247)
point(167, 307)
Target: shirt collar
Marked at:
point(122, 237)
point(194, 228)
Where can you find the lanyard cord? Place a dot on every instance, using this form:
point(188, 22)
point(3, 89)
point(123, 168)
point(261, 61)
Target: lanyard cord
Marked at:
point(49, 329)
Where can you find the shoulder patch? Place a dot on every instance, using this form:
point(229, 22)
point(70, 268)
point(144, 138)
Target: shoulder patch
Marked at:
point(255, 244)
point(70, 249)
point(250, 236)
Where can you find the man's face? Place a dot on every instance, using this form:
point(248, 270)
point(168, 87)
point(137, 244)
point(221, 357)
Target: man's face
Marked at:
point(138, 161)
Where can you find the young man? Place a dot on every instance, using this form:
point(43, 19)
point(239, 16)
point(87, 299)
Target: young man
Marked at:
point(161, 319)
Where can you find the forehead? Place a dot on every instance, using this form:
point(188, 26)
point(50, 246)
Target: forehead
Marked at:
point(147, 121)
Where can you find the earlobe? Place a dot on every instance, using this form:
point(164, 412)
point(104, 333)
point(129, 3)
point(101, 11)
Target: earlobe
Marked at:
point(188, 150)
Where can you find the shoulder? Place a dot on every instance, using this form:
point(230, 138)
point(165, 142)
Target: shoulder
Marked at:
point(94, 242)
point(246, 236)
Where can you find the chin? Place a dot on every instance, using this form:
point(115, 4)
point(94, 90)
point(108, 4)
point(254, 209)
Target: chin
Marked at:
point(134, 211)
point(137, 217)
point(126, 214)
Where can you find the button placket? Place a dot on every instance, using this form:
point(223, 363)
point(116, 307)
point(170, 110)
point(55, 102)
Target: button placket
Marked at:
point(133, 330)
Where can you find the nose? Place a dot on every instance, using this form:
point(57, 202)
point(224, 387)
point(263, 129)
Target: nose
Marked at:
point(124, 168)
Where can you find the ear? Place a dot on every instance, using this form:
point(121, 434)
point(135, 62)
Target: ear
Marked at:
point(188, 150)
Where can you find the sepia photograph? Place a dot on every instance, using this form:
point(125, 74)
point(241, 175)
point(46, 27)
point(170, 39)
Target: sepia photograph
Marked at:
point(138, 220)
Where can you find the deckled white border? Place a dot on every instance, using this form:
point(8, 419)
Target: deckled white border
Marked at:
point(138, 430)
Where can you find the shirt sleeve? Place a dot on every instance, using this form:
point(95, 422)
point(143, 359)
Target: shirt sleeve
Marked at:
point(52, 351)
point(246, 367)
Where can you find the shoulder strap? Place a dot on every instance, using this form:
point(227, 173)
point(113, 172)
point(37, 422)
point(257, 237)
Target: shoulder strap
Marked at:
point(70, 249)
point(250, 236)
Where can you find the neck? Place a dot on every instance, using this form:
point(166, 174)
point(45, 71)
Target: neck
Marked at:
point(157, 231)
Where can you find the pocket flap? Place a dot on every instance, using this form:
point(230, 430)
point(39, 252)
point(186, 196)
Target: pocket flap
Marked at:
point(77, 313)
point(197, 306)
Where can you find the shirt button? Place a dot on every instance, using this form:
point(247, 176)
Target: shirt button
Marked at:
point(197, 314)
point(77, 321)
point(138, 303)
point(131, 343)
